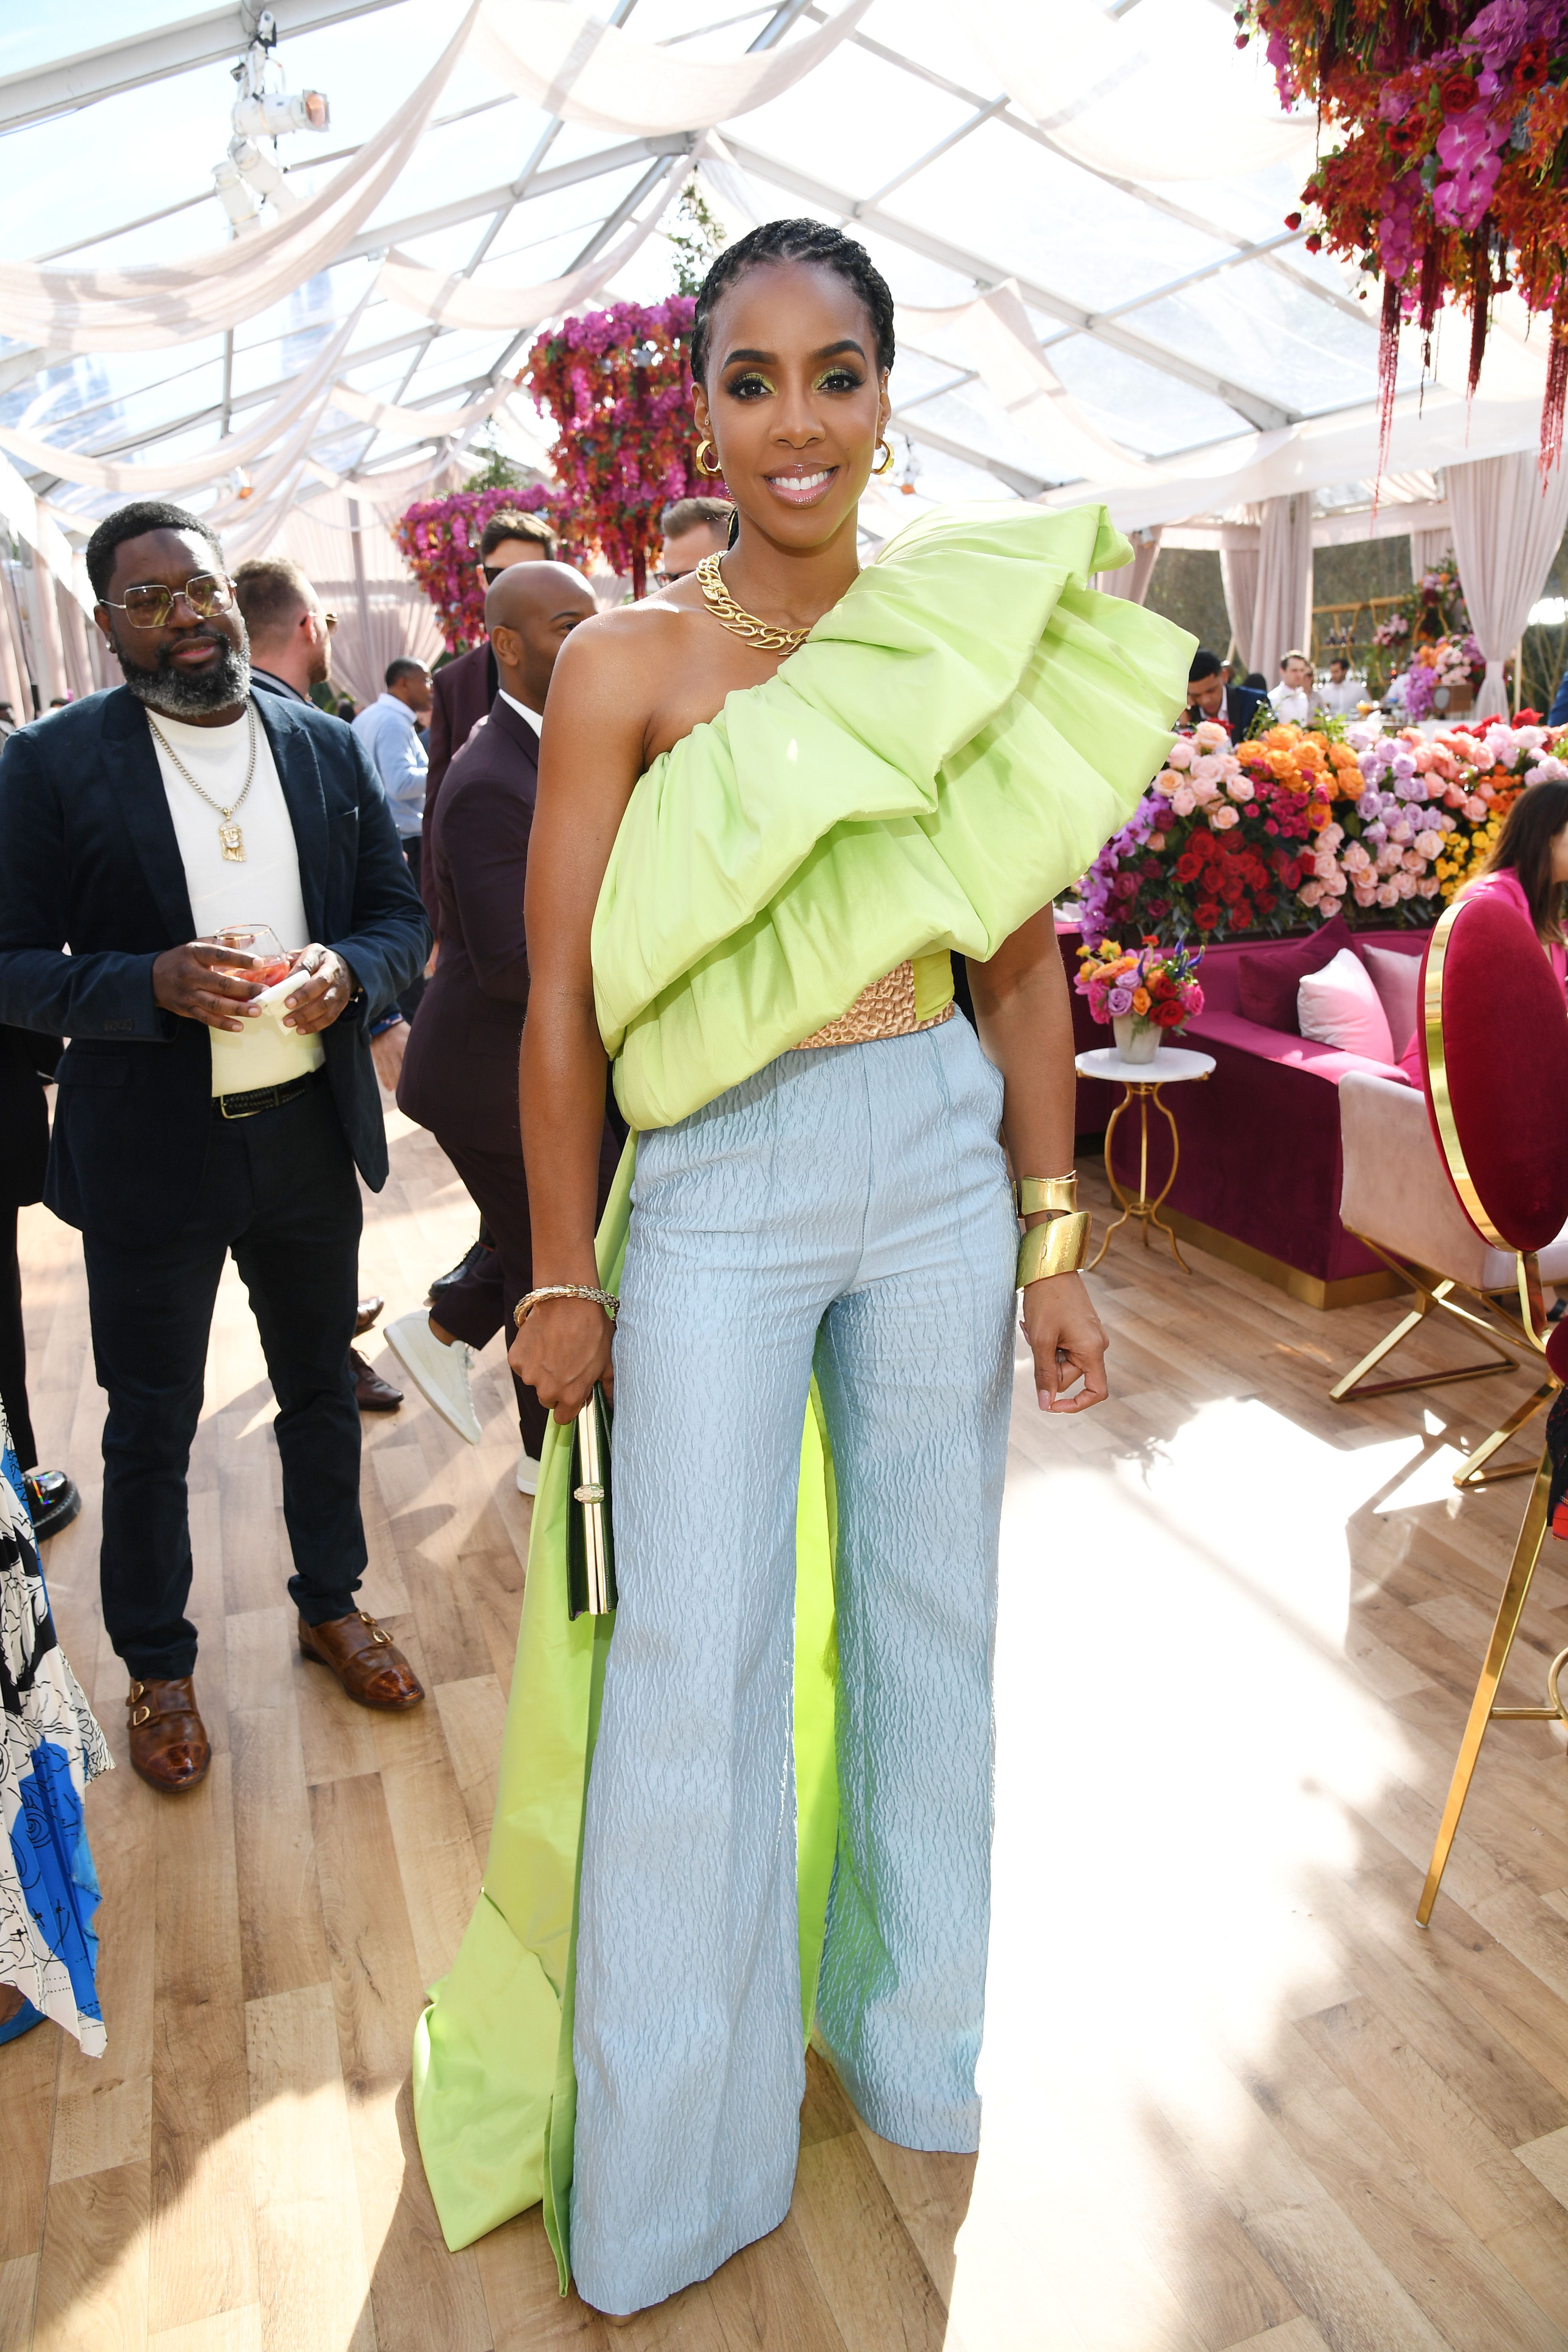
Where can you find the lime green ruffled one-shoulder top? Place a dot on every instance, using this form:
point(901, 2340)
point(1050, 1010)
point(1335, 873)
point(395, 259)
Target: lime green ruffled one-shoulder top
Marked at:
point(951, 746)
point(954, 743)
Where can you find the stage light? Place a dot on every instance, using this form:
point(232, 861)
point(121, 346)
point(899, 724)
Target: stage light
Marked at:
point(248, 176)
point(269, 113)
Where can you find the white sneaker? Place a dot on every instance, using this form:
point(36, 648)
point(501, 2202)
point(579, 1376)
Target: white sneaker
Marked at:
point(527, 1474)
point(439, 1373)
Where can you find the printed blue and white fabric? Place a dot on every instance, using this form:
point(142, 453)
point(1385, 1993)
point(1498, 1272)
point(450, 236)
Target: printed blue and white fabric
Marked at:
point(50, 1747)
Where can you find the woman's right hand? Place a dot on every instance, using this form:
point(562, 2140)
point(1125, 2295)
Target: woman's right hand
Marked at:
point(563, 1349)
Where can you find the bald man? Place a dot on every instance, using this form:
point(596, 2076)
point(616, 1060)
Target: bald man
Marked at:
point(460, 1073)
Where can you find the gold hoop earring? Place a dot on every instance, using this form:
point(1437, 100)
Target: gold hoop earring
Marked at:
point(702, 467)
point(886, 465)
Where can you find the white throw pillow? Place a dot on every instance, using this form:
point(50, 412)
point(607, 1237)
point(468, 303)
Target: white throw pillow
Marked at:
point(1397, 980)
point(1340, 1007)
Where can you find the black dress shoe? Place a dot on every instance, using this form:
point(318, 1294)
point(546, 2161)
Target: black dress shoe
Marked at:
point(466, 1264)
point(371, 1394)
point(366, 1313)
point(53, 1500)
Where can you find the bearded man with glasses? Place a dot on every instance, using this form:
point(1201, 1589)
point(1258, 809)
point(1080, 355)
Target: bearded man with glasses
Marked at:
point(136, 827)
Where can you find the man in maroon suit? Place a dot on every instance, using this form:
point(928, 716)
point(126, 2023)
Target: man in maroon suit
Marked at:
point(460, 1073)
point(463, 691)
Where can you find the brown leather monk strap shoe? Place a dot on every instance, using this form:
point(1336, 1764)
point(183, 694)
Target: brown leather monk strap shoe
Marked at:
point(169, 1744)
point(366, 1660)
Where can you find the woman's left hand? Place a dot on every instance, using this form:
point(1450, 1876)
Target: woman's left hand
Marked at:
point(1067, 1337)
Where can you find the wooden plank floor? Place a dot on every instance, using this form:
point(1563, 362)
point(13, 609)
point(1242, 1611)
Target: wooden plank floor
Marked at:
point(1234, 2095)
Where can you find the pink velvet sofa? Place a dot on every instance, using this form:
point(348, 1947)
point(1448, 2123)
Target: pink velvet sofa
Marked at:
point(1259, 1176)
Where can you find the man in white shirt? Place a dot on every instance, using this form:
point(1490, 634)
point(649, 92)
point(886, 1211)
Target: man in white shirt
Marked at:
point(1292, 697)
point(1344, 695)
point(191, 1124)
point(389, 731)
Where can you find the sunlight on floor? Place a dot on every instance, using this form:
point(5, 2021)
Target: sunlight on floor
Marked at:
point(1171, 1698)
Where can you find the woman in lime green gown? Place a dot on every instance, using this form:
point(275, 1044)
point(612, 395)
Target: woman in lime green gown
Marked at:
point(773, 801)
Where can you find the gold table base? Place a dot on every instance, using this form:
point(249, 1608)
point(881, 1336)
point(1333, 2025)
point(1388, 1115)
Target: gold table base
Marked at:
point(1140, 1206)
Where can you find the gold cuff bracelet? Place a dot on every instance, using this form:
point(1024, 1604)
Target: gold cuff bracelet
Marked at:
point(1059, 1246)
point(1056, 1194)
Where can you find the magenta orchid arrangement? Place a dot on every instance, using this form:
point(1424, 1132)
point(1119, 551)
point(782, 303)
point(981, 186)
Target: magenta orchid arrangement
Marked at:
point(439, 540)
point(617, 383)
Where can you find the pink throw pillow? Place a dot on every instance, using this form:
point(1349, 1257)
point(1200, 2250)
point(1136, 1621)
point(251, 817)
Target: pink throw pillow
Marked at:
point(1340, 1007)
point(1266, 978)
point(1397, 980)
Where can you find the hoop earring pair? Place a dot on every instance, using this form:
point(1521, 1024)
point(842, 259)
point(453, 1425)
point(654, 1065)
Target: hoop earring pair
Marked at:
point(705, 450)
point(886, 463)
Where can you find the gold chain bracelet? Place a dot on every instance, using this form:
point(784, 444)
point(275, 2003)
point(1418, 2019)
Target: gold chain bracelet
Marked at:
point(525, 1306)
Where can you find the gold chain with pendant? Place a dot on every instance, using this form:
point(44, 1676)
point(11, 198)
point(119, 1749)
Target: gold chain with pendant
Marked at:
point(738, 621)
point(231, 840)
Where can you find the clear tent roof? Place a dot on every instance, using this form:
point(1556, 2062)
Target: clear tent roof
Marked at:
point(1176, 313)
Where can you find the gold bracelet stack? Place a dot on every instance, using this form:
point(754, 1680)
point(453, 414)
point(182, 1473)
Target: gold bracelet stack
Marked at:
point(1059, 1245)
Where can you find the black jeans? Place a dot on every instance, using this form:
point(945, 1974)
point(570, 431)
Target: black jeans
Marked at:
point(14, 1346)
point(279, 1191)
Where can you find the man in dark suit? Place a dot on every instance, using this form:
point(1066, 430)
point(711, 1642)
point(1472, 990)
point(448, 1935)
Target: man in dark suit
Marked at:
point(460, 1073)
point(190, 1122)
point(462, 692)
point(1208, 695)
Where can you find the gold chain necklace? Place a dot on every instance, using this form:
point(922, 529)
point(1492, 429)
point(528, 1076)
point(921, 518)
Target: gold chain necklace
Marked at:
point(231, 841)
point(738, 621)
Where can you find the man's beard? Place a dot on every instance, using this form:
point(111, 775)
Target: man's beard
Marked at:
point(165, 687)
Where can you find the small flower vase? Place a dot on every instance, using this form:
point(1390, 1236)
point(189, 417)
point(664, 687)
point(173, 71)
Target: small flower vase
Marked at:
point(1137, 1040)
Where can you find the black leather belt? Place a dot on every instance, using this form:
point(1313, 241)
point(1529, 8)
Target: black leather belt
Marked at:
point(263, 1097)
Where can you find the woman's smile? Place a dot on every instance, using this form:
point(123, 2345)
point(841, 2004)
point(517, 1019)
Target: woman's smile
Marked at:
point(801, 486)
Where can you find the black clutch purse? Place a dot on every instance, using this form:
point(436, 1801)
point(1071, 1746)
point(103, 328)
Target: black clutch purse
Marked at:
point(591, 1548)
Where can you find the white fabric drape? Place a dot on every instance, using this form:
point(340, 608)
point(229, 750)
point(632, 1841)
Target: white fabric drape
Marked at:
point(110, 309)
point(1282, 608)
point(38, 530)
point(1157, 93)
point(1238, 577)
point(462, 302)
point(569, 63)
point(1427, 549)
point(385, 414)
point(240, 449)
point(1507, 530)
point(995, 337)
point(1132, 580)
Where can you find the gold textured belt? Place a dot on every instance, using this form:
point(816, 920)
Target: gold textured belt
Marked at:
point(885, 1009)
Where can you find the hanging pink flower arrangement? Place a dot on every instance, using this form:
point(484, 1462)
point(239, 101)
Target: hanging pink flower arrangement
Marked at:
point(617, 383)
point(439, 540)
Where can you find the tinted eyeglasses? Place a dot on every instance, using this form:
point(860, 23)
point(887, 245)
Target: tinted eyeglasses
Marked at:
point(149, 607)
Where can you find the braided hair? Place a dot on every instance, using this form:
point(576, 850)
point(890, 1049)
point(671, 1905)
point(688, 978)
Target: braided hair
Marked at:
point(794, 240)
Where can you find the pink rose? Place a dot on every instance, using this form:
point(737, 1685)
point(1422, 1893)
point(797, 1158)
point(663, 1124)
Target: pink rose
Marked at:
point(1180, 754)
point(1428, 844)
point(1387, 896)
point(1356, 859)
point(1224, 818)
point(1181, 800)
point(1239, 786)
point(1310, 893)
point(1429, 887)
point(1405, 884)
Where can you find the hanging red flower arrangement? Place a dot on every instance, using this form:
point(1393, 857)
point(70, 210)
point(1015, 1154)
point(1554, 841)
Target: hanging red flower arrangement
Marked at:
point(439, 538)
point(617, 383)
point(1450, 181)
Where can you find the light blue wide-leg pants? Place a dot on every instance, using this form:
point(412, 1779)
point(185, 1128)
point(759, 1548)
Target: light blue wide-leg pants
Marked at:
point(847, 1204)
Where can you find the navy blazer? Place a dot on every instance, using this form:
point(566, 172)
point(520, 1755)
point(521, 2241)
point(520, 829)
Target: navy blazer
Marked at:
point(89, 861)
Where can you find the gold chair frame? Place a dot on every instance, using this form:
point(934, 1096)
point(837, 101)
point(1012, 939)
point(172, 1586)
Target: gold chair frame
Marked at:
point(1435, 1295)
point(1484, 1708)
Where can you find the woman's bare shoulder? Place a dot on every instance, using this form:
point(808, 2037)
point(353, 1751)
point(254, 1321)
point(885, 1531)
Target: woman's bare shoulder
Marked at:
point(615, 657)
